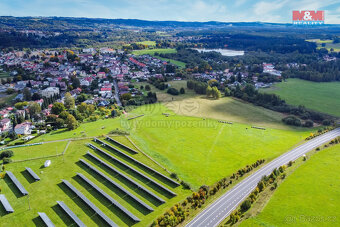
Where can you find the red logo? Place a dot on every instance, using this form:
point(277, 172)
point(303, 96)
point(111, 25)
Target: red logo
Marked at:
point(308, 17)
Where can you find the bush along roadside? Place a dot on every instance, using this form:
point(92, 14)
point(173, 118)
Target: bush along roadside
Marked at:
point(267, 181)
point(320, 132)
point(178, 213)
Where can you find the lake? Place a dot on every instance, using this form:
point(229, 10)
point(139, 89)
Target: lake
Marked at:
point(224, 52)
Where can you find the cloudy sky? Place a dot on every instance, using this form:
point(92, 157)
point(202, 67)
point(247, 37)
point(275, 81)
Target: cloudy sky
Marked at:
point(181, 10)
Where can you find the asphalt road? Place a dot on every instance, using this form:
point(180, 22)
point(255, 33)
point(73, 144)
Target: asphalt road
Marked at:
point(214, 214)
point(116, 95)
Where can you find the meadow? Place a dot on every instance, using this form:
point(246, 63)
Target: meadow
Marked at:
point(311, 195)
point(148, 42)
point(44, 193)
point(160, 51)
point(202, 150)
point(322, 97)
point(328, 44)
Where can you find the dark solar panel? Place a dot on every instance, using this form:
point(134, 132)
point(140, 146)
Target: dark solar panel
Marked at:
point(127, 178)
point(46, 219)
point(109, 198)
point(117, 185)
point(90, 204)
point(33, 174)
point(71, 214)
point(6, 204)
point(122, 145)
point(17, 183)
point(137, 172)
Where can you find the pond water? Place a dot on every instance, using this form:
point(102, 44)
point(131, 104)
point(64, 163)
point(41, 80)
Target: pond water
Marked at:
point(224, 52)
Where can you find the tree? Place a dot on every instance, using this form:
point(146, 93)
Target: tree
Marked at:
point(59, 123)
point(82, 108)
point(69, 101)
point(147, 87)
point(209, 91)
point(27, 94)
point(71, 122)
point(36, 97)
point(182, 91)
point(20, 105)
point(57, 108)
point(126, 96)
point(216, 93)
point(227, 92)
point(34, 108)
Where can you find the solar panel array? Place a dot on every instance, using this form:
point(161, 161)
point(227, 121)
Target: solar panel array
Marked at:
point(6, 204)
point(33, 174)
point(138, 162)
point(46, 219)
point(117, 186)
point(89, 203)
point(17, 183)
point(122, 145)
point(69, 212)
point(134, 170)
point(127, 178)
point(109, 198)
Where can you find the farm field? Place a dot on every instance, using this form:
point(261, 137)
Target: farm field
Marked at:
point(43, 194)
point(302, 92)
point(311, 195)
point(328, 44)
point(149, 43)
point(202, 151)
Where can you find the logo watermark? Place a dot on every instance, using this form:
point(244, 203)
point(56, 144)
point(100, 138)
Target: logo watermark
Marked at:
point(308, 17)
point(309, 218)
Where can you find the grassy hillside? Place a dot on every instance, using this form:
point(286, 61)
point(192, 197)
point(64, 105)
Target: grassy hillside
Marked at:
point(308, 197)
point(202, 151)
point(323, 97)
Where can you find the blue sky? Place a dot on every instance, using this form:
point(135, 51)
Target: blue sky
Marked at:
point(182, 10)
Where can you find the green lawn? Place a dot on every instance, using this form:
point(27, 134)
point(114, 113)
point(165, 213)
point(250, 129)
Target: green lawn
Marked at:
point(153, 51)
point(4, 74)
point(202, 151)
point(308, 197)
point(44, 193)
point(322, 97)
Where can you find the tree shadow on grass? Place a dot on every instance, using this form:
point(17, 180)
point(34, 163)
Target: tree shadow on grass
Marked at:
point(28, 176)
point(105, 202)
point(126, 182)
point(116, 190)
point(87, 210)
point(38, 222)
point(12, 186)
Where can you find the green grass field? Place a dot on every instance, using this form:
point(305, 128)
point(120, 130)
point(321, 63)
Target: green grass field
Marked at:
point(322, 97)
point(308, 197)
point(4, 74)
point(161, 51)
point(328, 44)
point(44, 193)
point(202, 151)
point(149, 43)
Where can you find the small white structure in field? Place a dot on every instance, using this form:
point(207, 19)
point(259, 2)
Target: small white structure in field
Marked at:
point(47, 163)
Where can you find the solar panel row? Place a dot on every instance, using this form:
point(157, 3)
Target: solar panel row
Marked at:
point(127, 178)
point(17, 183)
point(6, 204)
point(117, 186)
point(135, 171)
point(46, 219)
point(69, 212)
point(109, 198)
point(138, 162)
point(33, 174)
point(122, 145)
point(89, 203)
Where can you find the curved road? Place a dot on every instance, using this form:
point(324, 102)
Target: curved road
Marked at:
point(214, 214)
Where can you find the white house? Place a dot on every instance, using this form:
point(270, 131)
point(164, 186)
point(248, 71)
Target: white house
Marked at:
point(23, 128)
point(50, 91)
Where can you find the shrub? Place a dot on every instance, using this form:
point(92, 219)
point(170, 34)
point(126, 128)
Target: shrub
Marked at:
point(173, 91)
point(308, 124)
point(292, 120)
point(182, 91)
point(245, 205)
point(7, 160)
point(174, 175)
point(6, 154)
point(185, 185)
